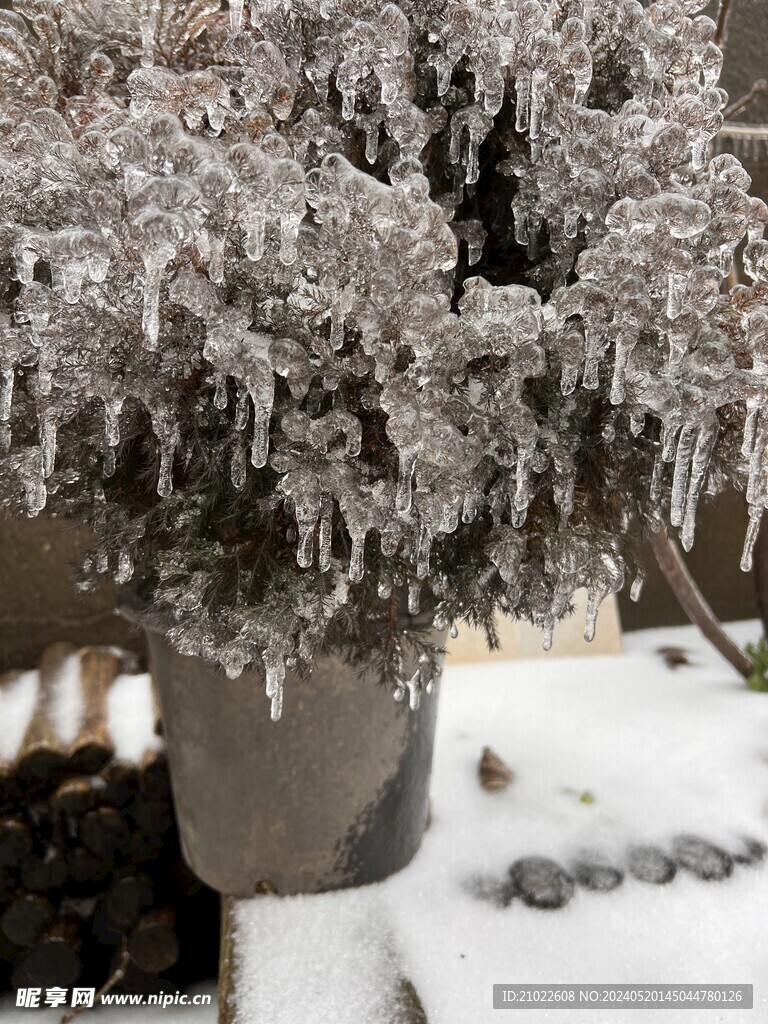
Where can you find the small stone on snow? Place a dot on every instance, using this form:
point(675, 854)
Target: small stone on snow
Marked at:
point(703, 859)
point(540, 882)
point(650, 864)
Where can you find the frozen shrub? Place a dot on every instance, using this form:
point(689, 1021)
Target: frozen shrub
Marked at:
point(309, 305)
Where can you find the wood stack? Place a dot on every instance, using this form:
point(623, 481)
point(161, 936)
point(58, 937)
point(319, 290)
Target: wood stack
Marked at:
point(91, 875)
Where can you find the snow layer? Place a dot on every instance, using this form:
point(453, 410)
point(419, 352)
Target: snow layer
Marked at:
point(662, 751)
point(131, 717)
point(17, 704)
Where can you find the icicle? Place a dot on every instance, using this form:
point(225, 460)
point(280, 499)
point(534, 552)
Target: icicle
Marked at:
point(241, 407)
point(548, 631)
point(470, 507)
point(705, 444)
point(676, 288)
point(35, 493)
point(523, 99)
point(699, 150)
point(255, 234)
point(165, 479)
point(337, 320)
point(571, 223)
point(569, 377)
point(124, 567)
point(112, 409)
point(216, 241)
point(220, 399)
point(657, 479)
point(326, 532)
point(289, 233)
point(594, 600)
point(306, 518)
point(235, 15)
point(414, 598)
point(26, 258)
point(261, 416)
point(618, 382)
point(538, 96)
point(473, 158)
point(384, 590)
point(405, 481)
point(750, 429)
point(234, 663)
point(534, 226)
point(637, 586)
point(72, 275)
point(357, 558)
point(454, 631)
point(149, 15)
point(150, 320)
point(755, 515)
point(422, 554)
point(48, 429)
point(107, 461)
point(399, 693)
point(7, 378)
point(582, 80)
point(348, 104)
point(680, 478)
point(274, 667)
point(518, 517)
point(237, 469)
point(372, 141)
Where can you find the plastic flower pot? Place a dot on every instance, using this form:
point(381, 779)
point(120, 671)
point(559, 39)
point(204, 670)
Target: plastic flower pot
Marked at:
point(335, 794)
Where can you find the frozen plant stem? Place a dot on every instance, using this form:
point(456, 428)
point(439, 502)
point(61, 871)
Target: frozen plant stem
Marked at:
point(692, 601)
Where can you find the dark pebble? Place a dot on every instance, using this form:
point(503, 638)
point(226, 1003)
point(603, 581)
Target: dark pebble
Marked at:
point(540, 882)
point(597, 877)
point(703, 859)
point(752, 852)
point(650, 864)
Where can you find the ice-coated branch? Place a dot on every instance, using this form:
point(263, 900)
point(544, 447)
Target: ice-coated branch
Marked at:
point(693, 602)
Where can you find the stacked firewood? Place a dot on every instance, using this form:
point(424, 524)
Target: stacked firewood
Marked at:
point(92, 883)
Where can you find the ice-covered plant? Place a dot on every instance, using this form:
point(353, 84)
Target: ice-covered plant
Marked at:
point(309, 304)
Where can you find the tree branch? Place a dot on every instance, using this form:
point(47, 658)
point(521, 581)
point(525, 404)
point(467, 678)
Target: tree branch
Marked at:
point(722, 22)
point(760, 87)
point(692, 601)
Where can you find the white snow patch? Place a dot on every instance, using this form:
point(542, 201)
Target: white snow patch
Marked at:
point(17, 704)
point(662, 751)
point(332, 954)
point(131, 717)
point(67, 706)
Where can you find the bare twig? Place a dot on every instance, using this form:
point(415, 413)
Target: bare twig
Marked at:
point(722, 22)
point(117, 976)
point(758, 89)
point(692, 601)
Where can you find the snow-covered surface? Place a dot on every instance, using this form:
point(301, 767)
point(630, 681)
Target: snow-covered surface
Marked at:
point(662, 751)
point(17, 704)
point(131, 712)
point(67, 704)
point(131, 717)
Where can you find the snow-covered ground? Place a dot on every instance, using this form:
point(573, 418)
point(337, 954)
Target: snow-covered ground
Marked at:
point(659, 751)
